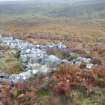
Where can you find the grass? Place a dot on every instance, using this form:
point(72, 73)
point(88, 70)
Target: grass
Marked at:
point(9, 63)
point(90, 32)
point(49, 90)
point(62, 19)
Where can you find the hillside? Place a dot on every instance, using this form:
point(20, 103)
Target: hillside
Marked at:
point(52, 52)
point(88, 16)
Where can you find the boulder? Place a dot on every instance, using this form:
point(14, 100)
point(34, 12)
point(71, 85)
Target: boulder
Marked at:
point(4, 76)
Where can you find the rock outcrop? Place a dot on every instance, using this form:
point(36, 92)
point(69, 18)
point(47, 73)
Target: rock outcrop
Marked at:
point(35, 58)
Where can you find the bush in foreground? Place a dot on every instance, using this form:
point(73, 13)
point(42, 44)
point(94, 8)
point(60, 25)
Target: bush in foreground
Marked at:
point(67, 86)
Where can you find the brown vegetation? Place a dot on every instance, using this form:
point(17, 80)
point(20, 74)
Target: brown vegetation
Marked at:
point(67, 85)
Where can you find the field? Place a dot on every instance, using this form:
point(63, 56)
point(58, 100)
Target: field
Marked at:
point(80, 25)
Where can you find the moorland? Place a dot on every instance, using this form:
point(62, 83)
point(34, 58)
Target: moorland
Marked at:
point(80, 25)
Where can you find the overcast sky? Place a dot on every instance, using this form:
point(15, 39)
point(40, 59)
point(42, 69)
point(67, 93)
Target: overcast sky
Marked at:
point(41, 0)
point(33, 0)
point(11, 0)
